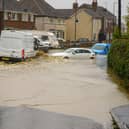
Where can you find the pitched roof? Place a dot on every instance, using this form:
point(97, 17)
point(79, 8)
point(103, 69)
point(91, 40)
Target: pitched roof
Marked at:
point(40, 7)
point(99, 13)
point(64, 13)
point(9, 5)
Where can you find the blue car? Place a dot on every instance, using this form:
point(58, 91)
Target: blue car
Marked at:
point(101, 48)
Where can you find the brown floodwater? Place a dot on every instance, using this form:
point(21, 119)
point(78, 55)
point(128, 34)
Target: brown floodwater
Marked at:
point(73, 87)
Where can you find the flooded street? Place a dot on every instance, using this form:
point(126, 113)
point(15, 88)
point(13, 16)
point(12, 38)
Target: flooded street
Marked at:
point(72, 87)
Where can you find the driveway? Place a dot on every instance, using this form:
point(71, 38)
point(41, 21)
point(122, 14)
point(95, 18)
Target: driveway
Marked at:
point(71, 87)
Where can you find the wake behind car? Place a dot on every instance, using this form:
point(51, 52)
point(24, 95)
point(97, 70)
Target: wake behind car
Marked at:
point(76, 53)
point(16, 45)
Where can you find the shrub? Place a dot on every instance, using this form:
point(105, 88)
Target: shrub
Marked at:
point(118, 60)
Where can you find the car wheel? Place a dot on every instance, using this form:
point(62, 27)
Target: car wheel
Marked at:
point(66, 57)
point(91, 57)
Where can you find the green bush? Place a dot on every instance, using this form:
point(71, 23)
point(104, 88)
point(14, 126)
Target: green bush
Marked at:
point(117, 36)
point(118, 60)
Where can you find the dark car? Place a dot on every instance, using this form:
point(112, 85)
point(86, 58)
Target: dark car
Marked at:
point(83, 40)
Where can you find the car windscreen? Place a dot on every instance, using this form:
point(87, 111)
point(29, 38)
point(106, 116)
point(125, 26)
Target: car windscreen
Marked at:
point(98, 47)
point(44, 38)
point(68, 50)
point(53, 38)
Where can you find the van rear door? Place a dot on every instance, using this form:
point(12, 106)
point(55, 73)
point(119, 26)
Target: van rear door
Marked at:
point(10, 47)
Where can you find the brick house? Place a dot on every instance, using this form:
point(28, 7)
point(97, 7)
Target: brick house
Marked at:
point(38, 14)
point(16, 17)
point(35, 14)
point(90, 22)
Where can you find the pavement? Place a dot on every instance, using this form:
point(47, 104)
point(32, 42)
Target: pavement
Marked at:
point(121, 116)
point(28, 118)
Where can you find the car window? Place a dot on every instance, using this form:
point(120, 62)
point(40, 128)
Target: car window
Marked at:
point(78, 51)
point(86, 51)
point(99, 47)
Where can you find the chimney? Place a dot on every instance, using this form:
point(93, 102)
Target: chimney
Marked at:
point(94, 5)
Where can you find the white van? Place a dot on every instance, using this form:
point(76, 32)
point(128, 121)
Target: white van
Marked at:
point(16, 44)
point(46, 38)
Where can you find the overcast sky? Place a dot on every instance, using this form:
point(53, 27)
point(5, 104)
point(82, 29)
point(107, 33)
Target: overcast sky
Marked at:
point(106, 3)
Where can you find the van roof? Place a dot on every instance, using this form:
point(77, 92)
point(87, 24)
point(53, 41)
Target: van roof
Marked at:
point(36, 32)
point(13, 33)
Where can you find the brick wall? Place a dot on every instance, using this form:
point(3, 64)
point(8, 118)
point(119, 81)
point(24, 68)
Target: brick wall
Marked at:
point(20, 25)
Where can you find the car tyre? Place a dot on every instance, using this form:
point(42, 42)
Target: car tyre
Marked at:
point(66, 57)
point(92, 57)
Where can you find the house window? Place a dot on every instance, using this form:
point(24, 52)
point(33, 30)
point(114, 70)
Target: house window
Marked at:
point(29, 17)
point(19, 17)
point(13, 16)
point(9, 15)
point(6, 16)
point(32, 18)
point(59, 21)
point(51, 20)
point(24, 17)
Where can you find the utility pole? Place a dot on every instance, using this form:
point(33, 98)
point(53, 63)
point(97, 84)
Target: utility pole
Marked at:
point(119, 16)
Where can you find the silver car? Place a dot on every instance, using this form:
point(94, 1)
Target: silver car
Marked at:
point(76, 53)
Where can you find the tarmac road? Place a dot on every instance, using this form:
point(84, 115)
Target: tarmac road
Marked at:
point(71, 87)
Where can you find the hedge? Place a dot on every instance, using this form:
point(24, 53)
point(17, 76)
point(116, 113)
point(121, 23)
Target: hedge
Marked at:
point(118, 60)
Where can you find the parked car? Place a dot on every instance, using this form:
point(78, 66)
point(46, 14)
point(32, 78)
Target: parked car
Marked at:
point(83, 40)
point(61, 42)
point(76, 53)
point(45, 39)
point(16, 45)
point(39, 44)
point(101, 48)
